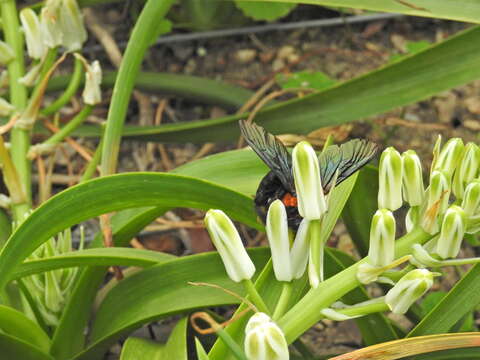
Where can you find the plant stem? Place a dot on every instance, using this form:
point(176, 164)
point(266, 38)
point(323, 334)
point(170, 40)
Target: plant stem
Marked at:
point(307, 311)
point(315, 265)
point(282, 304)
point(92, 165)
point(152, 13)
point(20, 138)
point(70, 126)
point(10, 176)
point(255, 296)
point(231, 344)
point(74, 83)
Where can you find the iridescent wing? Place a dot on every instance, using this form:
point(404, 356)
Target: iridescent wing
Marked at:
point(346, 159)
point(271, 151)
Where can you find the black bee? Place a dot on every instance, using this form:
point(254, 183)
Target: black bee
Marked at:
point(336, 164)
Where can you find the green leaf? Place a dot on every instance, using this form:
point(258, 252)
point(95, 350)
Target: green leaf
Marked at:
point(460, 300)
point(259, 10)
point(160, 291)
point(175, 348)
point(414, 78)
point(16, 324)
point(462, 10)
point(201, 353)
point(14, 348)
point(305, 79)
point(100, 196)
point(413, 47)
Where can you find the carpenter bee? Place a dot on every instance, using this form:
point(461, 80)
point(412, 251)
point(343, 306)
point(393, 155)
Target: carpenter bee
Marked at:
point(336, 164)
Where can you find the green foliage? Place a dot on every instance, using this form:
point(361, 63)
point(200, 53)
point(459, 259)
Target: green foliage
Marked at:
point(259, 10)
point(305, 79)
point(412, 47)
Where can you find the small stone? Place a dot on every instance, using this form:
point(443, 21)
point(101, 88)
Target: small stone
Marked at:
point(285, 52)
point(399, 42)
point(473, 104)
point(245, 56)
point(293, 58)
point(471, 124)
point(278, 64)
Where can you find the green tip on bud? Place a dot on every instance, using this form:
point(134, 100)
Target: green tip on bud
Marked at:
point(449, 157)
point(5, 107)
point(71, 22)
point(33, 33)
point(311, 200)
point(264, 340)
point(226, 239)
point(413, 189)
point(277, 234)
point(438, 194)
point(390, 180)
point(409, 289)
point(451, 233)
point(382, 238)
point(471, 199)
point(467, 169)
point(6, 53)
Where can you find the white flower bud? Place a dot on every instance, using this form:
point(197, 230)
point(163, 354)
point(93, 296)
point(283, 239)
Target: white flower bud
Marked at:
point(277, 234)
point(50, 23)
point(409, 289)
point(467, 169)
point(300, 250)
point(5, 107)
point(471, 199)
point(92, 93)
point(382, 238)
point(451, 233)
point(226, 239)
point(311, 199)
point(264, 340)
point(6, 53)
point(437, 196)
point(413, 190)
point(72, 27)
point(390, 180)
point(449, 157)
point(421, 257)
point(33, 33)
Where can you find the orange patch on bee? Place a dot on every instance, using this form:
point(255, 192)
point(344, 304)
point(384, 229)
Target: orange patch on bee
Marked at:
point(289, 200)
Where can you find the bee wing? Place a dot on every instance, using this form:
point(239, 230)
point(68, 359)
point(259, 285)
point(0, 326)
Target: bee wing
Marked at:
point(346, 159)
point(270, 150)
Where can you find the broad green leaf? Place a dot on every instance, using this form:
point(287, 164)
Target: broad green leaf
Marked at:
point(174, 349)
point(160, 291)
point(360, 207)
point(461, 10)
point(14, 348)
point(414, 78)
point(305, 79)
point(260, 10)
point(460, 300)
point(16, 324)
point(93, 257)
point(100, 196)
point(457, 354)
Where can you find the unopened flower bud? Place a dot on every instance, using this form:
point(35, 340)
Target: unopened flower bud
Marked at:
point(471, 199)
point(92, 93)
point(449, 157)
point(300, 250)
point(71, 22)
point(467, 169)
point(226, 239)
point(409, 289)
point(413, 190)
point(264, 340)
point(33, 33)
point(451, 233)
point(438, 193)
point(390, 180)
point(277, 234)
point(5, 107)
point(50, 23)
point(6, 53)
point(382, 238)
point(311, 200)
point(412, 218)
point(421, 257)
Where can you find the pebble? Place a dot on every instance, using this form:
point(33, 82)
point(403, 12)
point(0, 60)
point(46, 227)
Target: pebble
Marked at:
point(285, 52)
point(473, 104)
point(245, 56)
point(471, 124)
point(277, 64)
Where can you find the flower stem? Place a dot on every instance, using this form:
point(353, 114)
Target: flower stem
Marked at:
point(255, 297)
point(70, 127)
point(282, 304)
point(231, 344)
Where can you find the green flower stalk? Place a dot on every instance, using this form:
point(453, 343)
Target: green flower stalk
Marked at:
point(311, 199)
point(449, 157)
point(409, 289)
point(438, 194)
point(467, 169)
point(413, 189)
point(33, 33)
point(264, 340)
point(226, 239)
point(451, 233)
point(390, 180)
point(382, 238)
point(71, 23)
point(6, 53)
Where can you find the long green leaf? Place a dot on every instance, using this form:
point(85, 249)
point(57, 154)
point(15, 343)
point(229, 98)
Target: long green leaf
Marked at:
point(461, 10)
point(414, 78)
point(174, 349)
point(14, 348)
point(160, 291)
point(100, 196)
